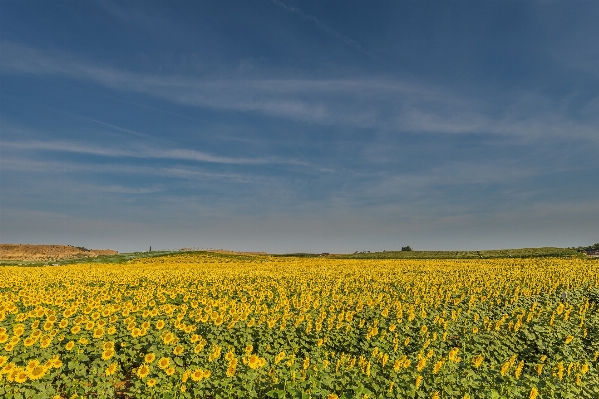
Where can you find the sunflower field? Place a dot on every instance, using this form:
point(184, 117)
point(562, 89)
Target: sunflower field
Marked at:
point(205, 325)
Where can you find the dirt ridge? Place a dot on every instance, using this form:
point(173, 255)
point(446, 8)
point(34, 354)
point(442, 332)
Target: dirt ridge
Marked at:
point(45, 253)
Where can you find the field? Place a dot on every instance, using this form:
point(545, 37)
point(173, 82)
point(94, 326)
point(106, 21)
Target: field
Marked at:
point(485, 254)
point(209, 325)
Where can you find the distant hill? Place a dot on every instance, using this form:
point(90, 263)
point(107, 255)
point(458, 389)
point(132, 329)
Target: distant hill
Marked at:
point(46, 253)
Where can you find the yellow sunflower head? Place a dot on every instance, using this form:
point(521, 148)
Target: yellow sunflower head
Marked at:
point(149, 358)
point(143, 371)
point(110, 370)
point(164, 362)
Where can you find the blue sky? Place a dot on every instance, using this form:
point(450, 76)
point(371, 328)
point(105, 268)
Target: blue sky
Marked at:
point(286, 126)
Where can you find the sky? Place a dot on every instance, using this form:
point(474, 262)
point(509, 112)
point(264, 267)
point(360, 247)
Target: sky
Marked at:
point(299, 126)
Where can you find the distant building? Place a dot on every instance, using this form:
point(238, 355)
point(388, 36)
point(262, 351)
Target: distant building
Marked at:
point(593, 252)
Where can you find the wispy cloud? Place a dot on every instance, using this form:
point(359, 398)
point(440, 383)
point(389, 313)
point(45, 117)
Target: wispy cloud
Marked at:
point(330, 31)
point(122, 129)
point(132, 14)
point(55, 168)
point(113, 189)
point(139, 152)
point(386, 104)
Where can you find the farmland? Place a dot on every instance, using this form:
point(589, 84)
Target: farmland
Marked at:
point(209, 325)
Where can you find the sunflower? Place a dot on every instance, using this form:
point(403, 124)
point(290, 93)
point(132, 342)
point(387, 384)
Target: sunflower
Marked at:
point(421, 364)
point(150, 357)
point(160, 324)
point(164, 362)
point(477, 361)
point(584, 369)
point(32, 364)
point(453, 354)
point(569, 339)
point(110, 370)
point(178, 350)
point(108, 345)
point(254, 362)
point(151, 382)
point(9, 368)
point(143, 371)
point(279, 357)
point(198, 348)
point(170, 371)
point(37, 373)
point(418, 381)
point(56, 362)
point(107, 354)
point(69, 345)
point(197, 375)
point(20, 376)
point(231, 371)
point(98, 332)
point(168, 338)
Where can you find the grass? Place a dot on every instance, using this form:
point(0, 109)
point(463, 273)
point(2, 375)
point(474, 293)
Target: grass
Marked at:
point(118, 258)
point(485, 254)
point(124, 257)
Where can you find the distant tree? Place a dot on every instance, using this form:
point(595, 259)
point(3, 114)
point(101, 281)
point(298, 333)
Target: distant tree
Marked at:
point(408, 248)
